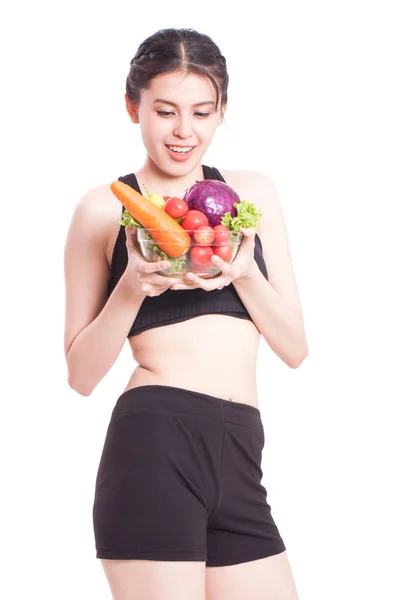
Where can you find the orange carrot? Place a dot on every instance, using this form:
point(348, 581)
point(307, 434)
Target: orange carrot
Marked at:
point(171, 237)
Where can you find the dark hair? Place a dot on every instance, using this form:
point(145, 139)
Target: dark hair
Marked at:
point(170, 50)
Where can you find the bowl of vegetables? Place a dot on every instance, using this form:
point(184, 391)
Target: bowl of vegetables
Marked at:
point(191, 251)
point(188, 231)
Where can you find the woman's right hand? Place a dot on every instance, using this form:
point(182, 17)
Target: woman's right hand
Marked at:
point(140, 275)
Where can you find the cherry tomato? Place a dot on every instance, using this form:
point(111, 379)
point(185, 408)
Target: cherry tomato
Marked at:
point(194, 219)
point(222, 234)
point(200, 257)
point(224, 252)
point(204, 235)
point(176, 207)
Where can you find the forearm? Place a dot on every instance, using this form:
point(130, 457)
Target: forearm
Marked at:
point(277, 322)
point(96, 348)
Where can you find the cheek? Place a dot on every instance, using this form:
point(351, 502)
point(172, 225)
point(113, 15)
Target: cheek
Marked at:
point(207, 132)
point(211, 125)
point(153, 132)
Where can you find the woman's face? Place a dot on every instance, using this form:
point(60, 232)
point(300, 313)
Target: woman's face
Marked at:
point(177, 110)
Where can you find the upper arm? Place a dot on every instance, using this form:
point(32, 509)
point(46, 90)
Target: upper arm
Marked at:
point(274, 239)
point(86, 268)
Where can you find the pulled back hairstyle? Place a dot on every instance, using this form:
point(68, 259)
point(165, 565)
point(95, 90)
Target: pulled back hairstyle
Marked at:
point(170, 50)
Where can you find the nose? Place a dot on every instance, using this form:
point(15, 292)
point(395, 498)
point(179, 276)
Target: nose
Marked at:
point(183, 127)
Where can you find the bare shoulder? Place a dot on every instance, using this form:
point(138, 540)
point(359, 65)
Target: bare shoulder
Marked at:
point(98, 202)
point(258, 188)
point(253, 186)
point(246, 179)
point(99, 212)
point(101, 200)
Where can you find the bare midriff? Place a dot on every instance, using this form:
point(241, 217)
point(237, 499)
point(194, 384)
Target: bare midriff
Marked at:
point(211, 354)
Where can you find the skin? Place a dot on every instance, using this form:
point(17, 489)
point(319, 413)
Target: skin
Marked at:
point(163, 175)
point(183, 127)
point(225, 344)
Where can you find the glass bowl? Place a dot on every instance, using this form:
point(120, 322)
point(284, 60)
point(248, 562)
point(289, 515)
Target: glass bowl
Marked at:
point(195, 259)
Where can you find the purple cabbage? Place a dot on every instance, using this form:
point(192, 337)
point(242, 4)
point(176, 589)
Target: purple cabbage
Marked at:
point(213, 198)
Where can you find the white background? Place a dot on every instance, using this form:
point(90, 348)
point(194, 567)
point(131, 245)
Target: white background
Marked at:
point(314, 104)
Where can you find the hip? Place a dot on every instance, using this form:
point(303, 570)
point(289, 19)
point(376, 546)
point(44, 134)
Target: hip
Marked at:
point(232, 385)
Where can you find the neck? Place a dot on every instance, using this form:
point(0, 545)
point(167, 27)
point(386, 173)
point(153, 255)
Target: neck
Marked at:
point(166, 184)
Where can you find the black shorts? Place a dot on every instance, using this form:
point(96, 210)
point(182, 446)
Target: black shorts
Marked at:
point(180, 479)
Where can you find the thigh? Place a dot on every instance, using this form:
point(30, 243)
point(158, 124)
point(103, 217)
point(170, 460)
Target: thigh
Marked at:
point(146, 505)
point(241, 528)
point(268, 578)
point(152, 580)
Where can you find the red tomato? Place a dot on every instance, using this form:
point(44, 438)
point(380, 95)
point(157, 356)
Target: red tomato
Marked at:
point(222, 234)
point(224, 252)
point(194, 219)
point(200, 257)
point(204, 235)
point(166, 198)
point(176, 207)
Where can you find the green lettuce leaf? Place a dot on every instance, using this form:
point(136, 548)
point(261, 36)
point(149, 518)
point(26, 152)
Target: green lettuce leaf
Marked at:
point(248, 216)
point(128, 221)
point(176, 264)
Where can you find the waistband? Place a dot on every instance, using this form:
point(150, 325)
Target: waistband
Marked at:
point(190, 402)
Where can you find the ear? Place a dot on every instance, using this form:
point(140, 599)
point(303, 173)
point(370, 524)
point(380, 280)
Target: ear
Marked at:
point(132, 109)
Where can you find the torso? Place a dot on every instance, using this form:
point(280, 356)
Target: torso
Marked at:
point(212, 354)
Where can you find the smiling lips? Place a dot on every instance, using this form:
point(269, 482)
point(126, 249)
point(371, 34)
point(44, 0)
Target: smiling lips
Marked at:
point(181, 149)
point(180, 153)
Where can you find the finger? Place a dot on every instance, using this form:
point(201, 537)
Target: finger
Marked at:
point(220, 263)
point(182, 286)
point(131, 238)
point(248, 232)
point(131, 230)
point(153, 267)
point(183, 283)
point(193, 279)
point(247, 245)
point(160, 283)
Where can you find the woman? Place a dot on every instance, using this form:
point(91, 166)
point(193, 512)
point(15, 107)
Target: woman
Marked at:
point(179, 509)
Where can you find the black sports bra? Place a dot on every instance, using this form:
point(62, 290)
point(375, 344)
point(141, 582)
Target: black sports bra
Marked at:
point(174, 306)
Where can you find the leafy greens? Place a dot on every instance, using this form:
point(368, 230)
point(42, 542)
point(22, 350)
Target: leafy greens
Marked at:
point(248, 216)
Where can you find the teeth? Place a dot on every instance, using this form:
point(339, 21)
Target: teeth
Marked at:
point(183, 150)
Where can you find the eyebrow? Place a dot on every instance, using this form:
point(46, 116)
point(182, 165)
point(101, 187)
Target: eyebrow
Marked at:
point(173, 103)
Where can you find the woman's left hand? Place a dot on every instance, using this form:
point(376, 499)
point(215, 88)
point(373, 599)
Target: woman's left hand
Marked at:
point(241, 268)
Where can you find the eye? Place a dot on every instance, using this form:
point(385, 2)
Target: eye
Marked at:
point(166, 113)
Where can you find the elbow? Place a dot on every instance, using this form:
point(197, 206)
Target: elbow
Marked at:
point(299, 350)
point(295, 364)
point(298, 360)
point(78, 387)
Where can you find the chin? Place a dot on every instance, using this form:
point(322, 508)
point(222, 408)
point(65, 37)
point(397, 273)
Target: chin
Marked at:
point(187, 166)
